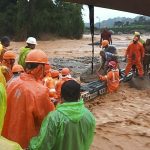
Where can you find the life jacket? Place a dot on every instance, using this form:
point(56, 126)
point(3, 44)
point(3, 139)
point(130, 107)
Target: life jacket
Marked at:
point(112, 79)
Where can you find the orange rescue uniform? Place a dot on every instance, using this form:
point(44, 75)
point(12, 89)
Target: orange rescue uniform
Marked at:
point(112, 79)
point(135, 54)
point(27, 104)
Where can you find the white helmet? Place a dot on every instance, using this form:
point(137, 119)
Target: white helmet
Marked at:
point(31, 40)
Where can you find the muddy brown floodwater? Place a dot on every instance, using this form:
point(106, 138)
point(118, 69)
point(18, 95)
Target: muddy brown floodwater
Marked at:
point(122, 118)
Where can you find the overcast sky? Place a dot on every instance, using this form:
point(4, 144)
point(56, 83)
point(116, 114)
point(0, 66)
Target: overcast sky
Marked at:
point(104, 14)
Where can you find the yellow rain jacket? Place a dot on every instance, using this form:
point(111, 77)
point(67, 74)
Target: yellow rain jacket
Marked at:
point(2, 78)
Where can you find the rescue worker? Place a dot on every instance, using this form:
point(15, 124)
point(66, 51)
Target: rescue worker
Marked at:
point(31, 43)
point(16, 70)
point(8, 61)
point(48, 82)
point(112, 77)
point(5, 43)
point(54, 82)
point(70, 127)
point(140, 40)
point(108, 48)
point(106, 58)
point(64, 76)
point(134, 55)
point(27, 101)
point(105, 35)
point(146, 60)
point(4, 143)
point(55, 76)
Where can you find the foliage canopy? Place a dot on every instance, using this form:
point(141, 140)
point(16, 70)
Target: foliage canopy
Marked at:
point(22, 18)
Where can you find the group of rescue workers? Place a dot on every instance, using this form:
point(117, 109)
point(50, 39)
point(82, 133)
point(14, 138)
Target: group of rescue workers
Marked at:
point(137, 56)
point(40, 108)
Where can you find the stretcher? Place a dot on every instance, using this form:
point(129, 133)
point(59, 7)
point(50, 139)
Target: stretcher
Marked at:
point(93, 89)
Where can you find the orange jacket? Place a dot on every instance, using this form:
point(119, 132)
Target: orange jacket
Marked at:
point(27, 105)
point(112, 79)
point(135, 52)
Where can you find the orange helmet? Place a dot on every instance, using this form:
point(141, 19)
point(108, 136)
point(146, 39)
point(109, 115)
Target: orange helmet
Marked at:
point(37, 56)
point(54, 73)
point(112, 64)
point(105, 43)
point(17, 68)
point(9, 55)
point(65, 71)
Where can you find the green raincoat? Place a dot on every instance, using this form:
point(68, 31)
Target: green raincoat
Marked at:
point(22, 56)
point(4, 143)
point(70, 127)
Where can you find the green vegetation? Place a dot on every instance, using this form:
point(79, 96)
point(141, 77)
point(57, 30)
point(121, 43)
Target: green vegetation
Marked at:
point(132, 28)
point(123, 25)
point(141, 25)
point(22, 18)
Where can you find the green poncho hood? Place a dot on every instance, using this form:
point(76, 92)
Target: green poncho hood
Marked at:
point(73, 110)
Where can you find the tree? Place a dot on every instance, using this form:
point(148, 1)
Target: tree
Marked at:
point(7, 17)
point(118, 24)
point(22, 18)
point(141, 20)
point(127, 23)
